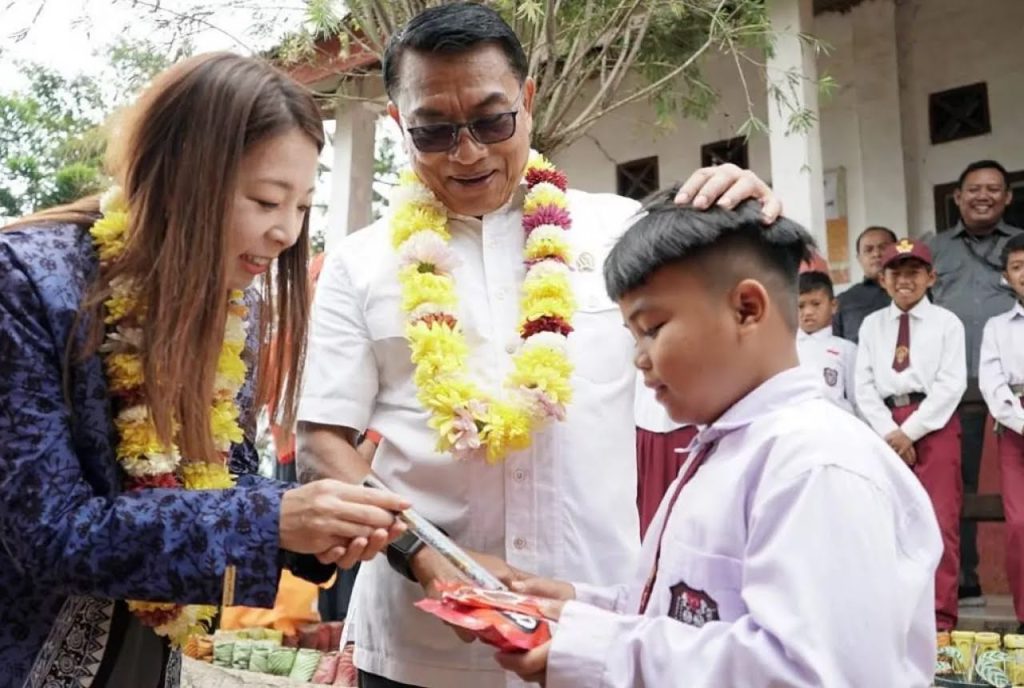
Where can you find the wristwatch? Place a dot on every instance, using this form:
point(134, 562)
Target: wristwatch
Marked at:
point(401, 552)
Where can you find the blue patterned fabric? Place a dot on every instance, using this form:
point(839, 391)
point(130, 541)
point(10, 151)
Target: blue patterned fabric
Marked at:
point(70, 539)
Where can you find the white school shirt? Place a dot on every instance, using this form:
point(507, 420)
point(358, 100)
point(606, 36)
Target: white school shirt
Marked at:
point(938, 368)
point(565, 508)
point(833, 360)
point(1001, 365)
point(803, 533)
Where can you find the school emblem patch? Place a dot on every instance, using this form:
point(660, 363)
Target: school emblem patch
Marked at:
point(692, 607)
point(831, 377)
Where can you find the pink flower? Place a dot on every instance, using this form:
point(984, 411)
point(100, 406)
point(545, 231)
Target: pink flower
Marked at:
point(543, 405)
point(426, 248)
point(465, 435)
point(547, 215)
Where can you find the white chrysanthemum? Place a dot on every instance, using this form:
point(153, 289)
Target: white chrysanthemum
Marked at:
point(425, 309)
point(151, 464)
point(112, 199)
point(547, 340)
point(544, 233)
point(545, 188)
point(128, 336)
point(134, 414)
point(546, 268)
point(428, 247)
point(234, 329)
point(413, 192)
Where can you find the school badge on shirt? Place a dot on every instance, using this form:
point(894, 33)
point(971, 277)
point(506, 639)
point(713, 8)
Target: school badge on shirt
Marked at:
point(692, 607)
point(831, 376)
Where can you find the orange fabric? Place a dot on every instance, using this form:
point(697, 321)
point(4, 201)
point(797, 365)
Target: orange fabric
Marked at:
point(295, 606)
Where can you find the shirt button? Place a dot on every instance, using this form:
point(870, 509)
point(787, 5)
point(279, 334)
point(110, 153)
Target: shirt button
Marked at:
point(519, 475)
point(519, 543)
point(510, 348)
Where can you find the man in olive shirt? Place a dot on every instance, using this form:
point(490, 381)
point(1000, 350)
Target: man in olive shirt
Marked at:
point(970, 283)
point(865, 298)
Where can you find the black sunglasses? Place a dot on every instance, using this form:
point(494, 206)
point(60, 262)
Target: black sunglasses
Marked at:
point(441, 138)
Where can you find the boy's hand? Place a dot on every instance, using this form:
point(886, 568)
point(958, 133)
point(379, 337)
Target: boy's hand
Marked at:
point(531, 666)
point(901, 444)
point(553, 593)
point(910, 458)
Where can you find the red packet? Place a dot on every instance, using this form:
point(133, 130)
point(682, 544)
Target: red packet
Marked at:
point(507, 620)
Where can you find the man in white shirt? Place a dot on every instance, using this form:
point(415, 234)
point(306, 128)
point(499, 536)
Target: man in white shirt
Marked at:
point(911, 375)
point(1001, 378)
point(832, 359)
point(456, 76)
point(794, 549)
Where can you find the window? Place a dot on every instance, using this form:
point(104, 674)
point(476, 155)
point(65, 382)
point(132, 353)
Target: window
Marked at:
point(726, 150)
point(637, 179)
point(959, 113)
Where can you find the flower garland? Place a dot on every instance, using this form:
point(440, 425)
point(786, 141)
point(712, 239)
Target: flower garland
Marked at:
point(470, 423)
point(145, 460)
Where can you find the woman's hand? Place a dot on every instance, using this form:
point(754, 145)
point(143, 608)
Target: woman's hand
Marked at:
point(339, 522)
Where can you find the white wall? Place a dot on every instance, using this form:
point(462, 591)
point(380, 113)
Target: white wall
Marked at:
point(887, 57)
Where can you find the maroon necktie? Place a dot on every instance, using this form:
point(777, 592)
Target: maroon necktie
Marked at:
point(691, 470)
point(901, 359)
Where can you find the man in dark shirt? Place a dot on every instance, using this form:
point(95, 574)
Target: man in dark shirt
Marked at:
point(970, 283)
point(865, 298)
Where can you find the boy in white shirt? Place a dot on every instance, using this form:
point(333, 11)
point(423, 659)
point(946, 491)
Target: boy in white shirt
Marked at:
point(794, 549)
point(1001, 378)
point(831, 358)
point(911, 375)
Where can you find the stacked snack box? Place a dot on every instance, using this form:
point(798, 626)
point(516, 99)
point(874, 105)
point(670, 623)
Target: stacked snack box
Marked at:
point(982, 659)
point(310, 656)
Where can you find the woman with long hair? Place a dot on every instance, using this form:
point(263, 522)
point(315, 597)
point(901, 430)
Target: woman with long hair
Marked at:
point(133, 353)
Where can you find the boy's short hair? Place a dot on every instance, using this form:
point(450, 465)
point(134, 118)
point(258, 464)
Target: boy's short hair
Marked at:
point(1016, 243)
point(814, 280)
point(730, 245)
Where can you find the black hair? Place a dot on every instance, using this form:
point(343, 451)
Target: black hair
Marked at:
point(450, 29)
point(983, 165)
point(875, 228)
point(814, 280)
point(1016, 243)
point(666, 234)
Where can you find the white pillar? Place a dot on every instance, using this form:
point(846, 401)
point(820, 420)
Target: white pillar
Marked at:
point(796, 157)
point(349, 208)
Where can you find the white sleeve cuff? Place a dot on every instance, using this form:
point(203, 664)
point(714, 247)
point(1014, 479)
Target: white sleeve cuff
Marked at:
point(580, 646)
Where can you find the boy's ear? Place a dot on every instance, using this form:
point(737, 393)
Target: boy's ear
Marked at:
point(749, 301)
point(835, 306)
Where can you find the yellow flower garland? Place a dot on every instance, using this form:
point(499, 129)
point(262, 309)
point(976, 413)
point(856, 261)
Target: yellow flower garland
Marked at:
point(471, 423)
point(144, 459)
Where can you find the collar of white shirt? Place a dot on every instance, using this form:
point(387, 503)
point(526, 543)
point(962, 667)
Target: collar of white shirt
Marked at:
point(918, 312)
point(1018, 310)
point(789, 387)
point(823, 333)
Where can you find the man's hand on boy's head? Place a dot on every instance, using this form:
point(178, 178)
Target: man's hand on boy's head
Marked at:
point(727, 186)
point(531, 666)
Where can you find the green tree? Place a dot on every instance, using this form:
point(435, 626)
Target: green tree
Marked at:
point(590, 57)
point(52, 139)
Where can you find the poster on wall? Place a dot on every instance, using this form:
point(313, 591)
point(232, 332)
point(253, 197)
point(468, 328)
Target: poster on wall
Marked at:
point(837, 229)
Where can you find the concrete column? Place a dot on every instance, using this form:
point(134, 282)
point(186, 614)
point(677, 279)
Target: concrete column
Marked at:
point(349, 208)
point(876, 79)
point(796, 156)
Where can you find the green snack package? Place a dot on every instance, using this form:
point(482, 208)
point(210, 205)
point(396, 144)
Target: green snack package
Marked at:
point(280, 661)
point(243, 651)
point(275, 635)
point(223, 651)
point(258, 661)
point(306, 661)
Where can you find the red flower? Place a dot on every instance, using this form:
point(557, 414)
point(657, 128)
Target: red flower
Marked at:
point(556, 177)
point(146, 481)
point(547, 215)
point(432, 319)
point(158, 617)
point(545, 323)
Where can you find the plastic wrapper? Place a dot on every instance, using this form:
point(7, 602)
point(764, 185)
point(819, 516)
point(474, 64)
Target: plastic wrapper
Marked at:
point(306, 662)
point(280, 661)
point(242, 654)
point(347, 675)
point(223, 651)
point(506, 620)
point(309, 636)
point(275, 635)
point(290, 640)
point(335, 627)
point(260, 655)
point(327, 669)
